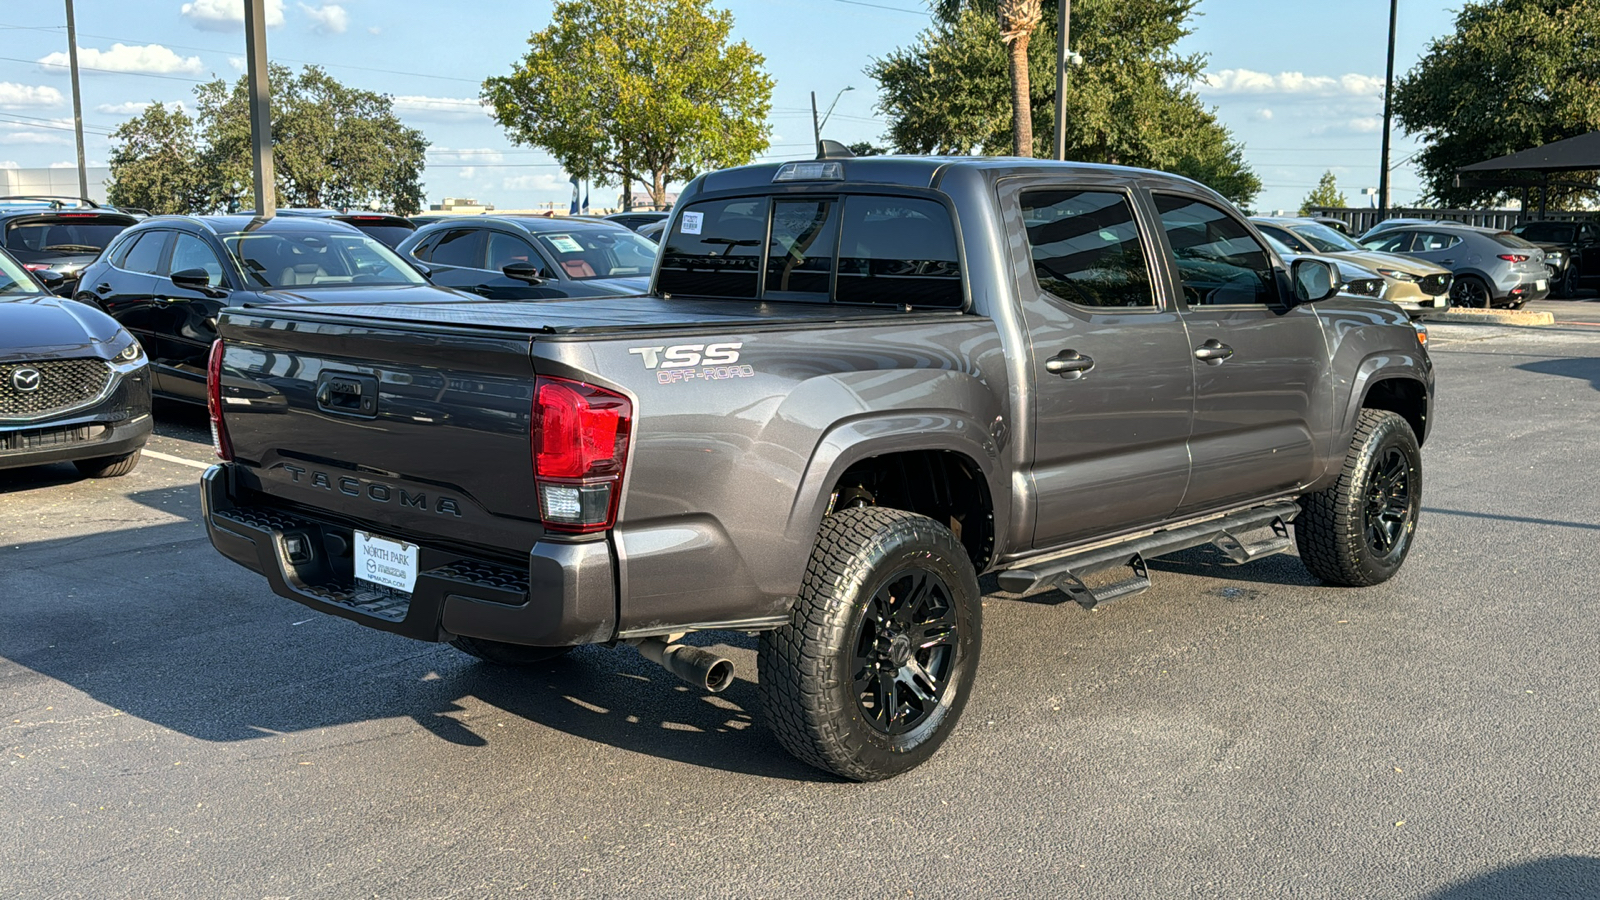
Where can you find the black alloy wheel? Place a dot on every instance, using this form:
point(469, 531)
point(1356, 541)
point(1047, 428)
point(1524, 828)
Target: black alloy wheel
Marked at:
point(1470, 292)
point(905, 651)
point(1388, 512)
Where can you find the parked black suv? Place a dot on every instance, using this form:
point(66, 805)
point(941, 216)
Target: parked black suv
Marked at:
point(533, 257)
point(168, 277)
point(55, 237)
point(74, 387)
point(1578, 242)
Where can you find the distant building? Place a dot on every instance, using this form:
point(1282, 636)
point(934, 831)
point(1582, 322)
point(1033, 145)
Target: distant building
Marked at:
point(61, 182)
point(461, 206)
point(643, 201)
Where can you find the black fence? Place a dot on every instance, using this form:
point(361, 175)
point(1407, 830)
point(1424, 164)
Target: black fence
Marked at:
point(1359, 220)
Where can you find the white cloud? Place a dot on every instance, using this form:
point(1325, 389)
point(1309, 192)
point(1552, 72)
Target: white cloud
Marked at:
point(1357, 125)
point(238, 63)
point(329, 19)
point(10, 164)
point(1245, 81)
point(1264, 115)
point(133, 107)
point(34, 137)
point(541, 182)
point(227, 15)
point(441, 109)
point(21, 96)
point(483, 156)
point(374, 30)
point(73, 164)
point(151, 58)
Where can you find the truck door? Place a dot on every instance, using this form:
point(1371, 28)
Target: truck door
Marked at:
point(1112, 388)
point(1260, 365)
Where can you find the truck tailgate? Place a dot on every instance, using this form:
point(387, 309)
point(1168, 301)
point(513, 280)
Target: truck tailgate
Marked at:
point(413, 432)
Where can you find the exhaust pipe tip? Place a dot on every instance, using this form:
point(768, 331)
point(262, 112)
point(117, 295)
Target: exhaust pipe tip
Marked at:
point(701, 668)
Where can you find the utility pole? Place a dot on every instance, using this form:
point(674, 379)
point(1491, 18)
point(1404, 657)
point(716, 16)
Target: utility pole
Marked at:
point(816, 126)
point(1063, 62)
point(1388, 116)
point(255, 37)
point(77, 102)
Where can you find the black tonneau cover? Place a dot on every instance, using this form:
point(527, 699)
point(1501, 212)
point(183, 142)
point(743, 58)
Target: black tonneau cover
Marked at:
point(603, 314)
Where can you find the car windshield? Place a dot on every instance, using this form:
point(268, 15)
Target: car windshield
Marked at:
point(13, 280)
point(1281, 248)
point(1325, 239)
point(310, 259)
point(1552, 232)
point(585, 253)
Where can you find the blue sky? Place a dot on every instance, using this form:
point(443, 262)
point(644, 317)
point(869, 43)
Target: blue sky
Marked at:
point(1299, 83)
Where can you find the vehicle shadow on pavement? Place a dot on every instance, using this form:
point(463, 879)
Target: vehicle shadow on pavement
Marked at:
point(29, 478)
point(1574, 367)
point(1561, 876)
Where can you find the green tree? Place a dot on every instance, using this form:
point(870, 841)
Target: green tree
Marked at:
point(1326, 193)
point(1129, 103)
point(625, 91)
point(154, 162)
point(1515, 74)
point(333, 146)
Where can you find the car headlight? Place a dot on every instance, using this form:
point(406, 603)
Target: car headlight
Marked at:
point(1397, 275)
point(131, 353)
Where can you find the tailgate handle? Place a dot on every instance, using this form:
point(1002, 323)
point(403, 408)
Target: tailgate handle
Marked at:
point(348, 394)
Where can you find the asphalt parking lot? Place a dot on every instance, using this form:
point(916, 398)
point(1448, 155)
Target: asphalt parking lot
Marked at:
point(169, 728)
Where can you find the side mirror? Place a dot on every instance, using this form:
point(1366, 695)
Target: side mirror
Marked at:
point(195, 280)
point(1313, 280)
point(52, 280)
point(524, 271)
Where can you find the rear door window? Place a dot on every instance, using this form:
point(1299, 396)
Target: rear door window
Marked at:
point(1426, 241)
point(1086, 248)
point(459, 247)
point(145, 254)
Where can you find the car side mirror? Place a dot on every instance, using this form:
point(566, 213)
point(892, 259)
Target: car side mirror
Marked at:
point(1314, 280)
point(195, 280)
point(525, 271)
point(52, 280)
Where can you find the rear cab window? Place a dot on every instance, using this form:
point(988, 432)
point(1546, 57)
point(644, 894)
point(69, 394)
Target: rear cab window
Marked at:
point(852, 248)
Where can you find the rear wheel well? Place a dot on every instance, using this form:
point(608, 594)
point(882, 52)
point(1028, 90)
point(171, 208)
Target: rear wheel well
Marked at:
point(945, 486)
point(1403, 396)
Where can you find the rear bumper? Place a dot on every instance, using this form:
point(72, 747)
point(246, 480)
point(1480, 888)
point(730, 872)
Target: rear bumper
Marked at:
point(566, 594)
point(1528, 290)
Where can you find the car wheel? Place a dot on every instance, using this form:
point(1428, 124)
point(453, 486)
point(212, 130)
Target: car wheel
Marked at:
point(1567, 288)
point(1470, 292)
point(871, 673)
point(1358, 531)
point(108, 466)
point(509, 655)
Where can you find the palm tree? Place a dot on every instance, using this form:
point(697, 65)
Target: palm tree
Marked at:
point(1018, 18)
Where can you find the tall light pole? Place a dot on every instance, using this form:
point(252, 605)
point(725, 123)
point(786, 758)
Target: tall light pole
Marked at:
point(255, 38)
point(77, 102)
point(816, 126)
point(1063, 62)
point(1388, 115)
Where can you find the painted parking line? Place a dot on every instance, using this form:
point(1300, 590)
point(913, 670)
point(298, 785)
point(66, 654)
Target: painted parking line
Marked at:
point(167, 457)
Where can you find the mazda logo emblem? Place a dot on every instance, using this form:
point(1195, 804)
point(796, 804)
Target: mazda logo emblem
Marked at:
point(25, 379)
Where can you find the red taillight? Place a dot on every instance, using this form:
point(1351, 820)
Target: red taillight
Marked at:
point(36, 267)
point(580, 445)
point(1514, 257)
point(219, 429)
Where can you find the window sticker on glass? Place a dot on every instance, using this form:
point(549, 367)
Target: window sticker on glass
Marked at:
point(564, 243)
point(692, 222)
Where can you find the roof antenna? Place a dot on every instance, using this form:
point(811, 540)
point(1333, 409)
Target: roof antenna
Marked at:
point(833, 150)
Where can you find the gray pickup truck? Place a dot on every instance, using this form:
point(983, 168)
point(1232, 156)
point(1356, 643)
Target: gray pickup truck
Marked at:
point(856, 385)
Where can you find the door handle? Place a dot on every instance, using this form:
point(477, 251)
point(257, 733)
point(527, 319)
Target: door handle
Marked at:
point(102, 288)
point(1448, 262)
point(1213, 352)
point(1068, 364)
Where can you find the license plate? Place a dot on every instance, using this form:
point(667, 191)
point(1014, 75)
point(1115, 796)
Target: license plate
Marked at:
point(1540, 284)
point(386, 563)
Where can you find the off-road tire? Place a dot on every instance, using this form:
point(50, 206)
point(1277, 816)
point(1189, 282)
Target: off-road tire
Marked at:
point(810, 696)
point(108, 466)
point(510, 655)
point(1334, 529)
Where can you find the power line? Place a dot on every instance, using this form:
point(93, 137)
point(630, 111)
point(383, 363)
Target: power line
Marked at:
point(110, 71)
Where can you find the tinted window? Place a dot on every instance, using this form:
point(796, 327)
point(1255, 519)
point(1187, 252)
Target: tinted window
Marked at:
point(1425, 241)
point(1219, 262)
point(1086, 248)
point(1553, 232)
point(145, 255)
point(1508, 239)
point(1286, 237)
point(390, 235)
point(505, 249)
point(323, 260)
point(714, 249)
point(60, 236)
point(189, 252)
point(457, 247)
point(800, 251)
point(898, 251)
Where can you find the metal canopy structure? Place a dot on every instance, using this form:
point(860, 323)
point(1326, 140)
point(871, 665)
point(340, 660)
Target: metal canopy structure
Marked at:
point(1576, 154)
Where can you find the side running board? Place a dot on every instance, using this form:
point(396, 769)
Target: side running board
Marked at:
point(1068, 573)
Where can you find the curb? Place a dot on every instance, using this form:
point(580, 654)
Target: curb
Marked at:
point(1491, 317)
